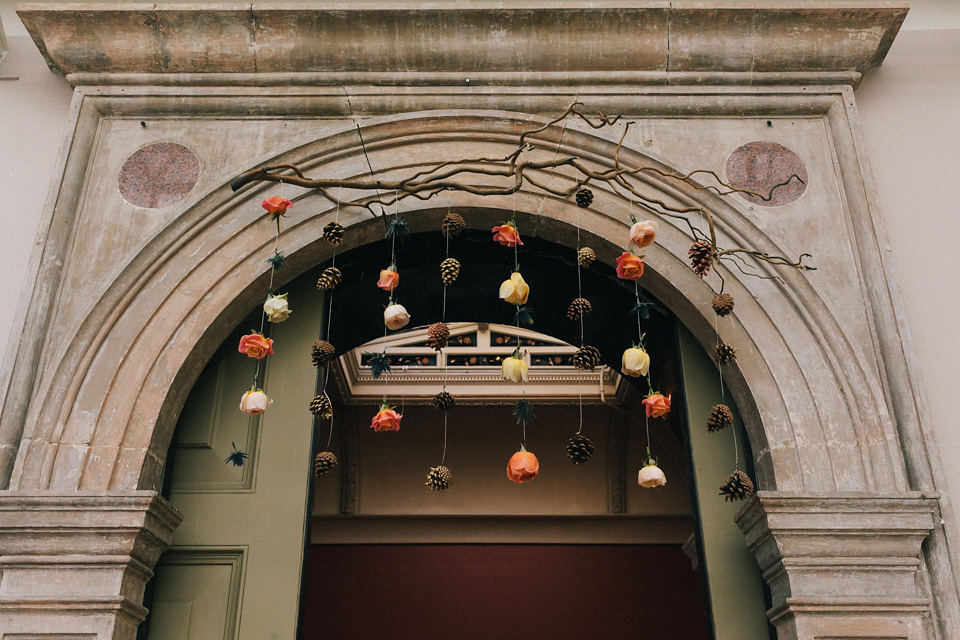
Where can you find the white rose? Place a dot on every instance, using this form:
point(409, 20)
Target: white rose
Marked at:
point(651, 476)
point(254, 402)
point(277, 308)
point(396, 317)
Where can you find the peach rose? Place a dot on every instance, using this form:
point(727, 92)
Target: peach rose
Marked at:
point(523, 466)
point(658, 405)
point(644, 233)
point(515, 290)
point(386, 420)
point(651, 476)
point(389, 279)
point(276, 206)
point(506, 235)
point(629, 266)
point(256, 345)
point(254, 402)
point(396, 317)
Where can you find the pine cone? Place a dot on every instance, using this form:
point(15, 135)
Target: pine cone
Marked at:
point(333, 233)
point(725, 354)
point(437, 336)
point(722, 304)
point(452, 225)
point(701, 257)
point(586, 256)
point(584, 197)
point(586, 358)
point(579, 308)
point(439, 478)
point(579, 449)
point(329, 279)
point(324, 462)
point(720, 418)
point(737, 486)
point(321, 407)
point(322, 352)
point(449, 270)
point(443, 401)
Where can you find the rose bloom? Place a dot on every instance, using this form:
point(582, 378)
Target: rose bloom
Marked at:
point(644, 233)
point(276, 206)
point(523, 466)
point(515, 290)
point(636, 362)
point(277, 308)
point(506, 235)
point(254, 402)
point(389, 279)
point(386, 420)
point(658, 405)
point(396, 317)
point(651, 476)
point(629, 266)
point(256, 346)
point(514, 369)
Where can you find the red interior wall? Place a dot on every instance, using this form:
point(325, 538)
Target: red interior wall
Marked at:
point(464, 592)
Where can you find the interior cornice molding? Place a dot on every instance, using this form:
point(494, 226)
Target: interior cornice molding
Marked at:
point(478, 43)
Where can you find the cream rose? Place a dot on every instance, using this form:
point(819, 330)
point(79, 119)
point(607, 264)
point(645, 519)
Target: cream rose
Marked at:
point(515, 290)
point(396, 317)
point(651, 476)
point(254, 402)
point(277, 308)
point(514, 369)
point(636, 362)
point(644, 233)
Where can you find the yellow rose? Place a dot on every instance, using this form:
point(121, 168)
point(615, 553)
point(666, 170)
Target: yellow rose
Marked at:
point(514, 369)
point(636, 362)
point(515, 290)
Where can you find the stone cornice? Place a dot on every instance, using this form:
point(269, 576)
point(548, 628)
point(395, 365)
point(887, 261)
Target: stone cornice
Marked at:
point(487, 43)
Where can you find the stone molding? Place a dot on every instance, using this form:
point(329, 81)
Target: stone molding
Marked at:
point(479, 43)
point(843, 561)
point(81, 558)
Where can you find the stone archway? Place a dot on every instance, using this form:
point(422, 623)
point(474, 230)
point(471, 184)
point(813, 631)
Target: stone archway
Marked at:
point(130, 303)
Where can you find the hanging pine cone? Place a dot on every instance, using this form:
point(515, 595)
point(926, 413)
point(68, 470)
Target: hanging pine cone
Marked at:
point(443, 401)
point(584, 197)
point(449, 270)
point(586, 256)
point(322, 352)
point(720, 418)
point(701, 257)
point(579, 308)
point(586, 358)
point(437, 336)
point(737, 486)
point(333, 233)
point(329, 279)
point(579, 449)
point(722, 304)
point(439, 478)
point(321, 407)
point(452, 225)
point(725, 354)
point(324, 462)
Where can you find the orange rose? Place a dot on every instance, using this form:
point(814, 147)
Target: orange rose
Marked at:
point(658, 405)
point(506, 235)
point(276, 206)
point(629, 266)
point(386, 420)
point(389, 279)
point(644, 233)
point(523, 466)
point(256, 346)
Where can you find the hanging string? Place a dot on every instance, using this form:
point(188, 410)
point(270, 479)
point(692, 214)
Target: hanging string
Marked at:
point(273, 271)
point(326, 367)
point(444, 456)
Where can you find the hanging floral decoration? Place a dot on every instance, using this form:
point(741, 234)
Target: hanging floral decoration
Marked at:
point(254, 402)
point(650, 475)
point(236, 457)
point(656, 404)
point(522, 466)
point(515, 368)
point(386, 419)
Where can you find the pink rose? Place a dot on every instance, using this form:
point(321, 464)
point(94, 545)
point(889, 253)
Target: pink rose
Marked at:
point(629, 266)
point(506, 235)
point(276, 206)
point(644, 233)
point(256, 346)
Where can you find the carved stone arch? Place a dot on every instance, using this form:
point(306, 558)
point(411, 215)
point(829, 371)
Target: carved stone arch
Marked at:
point(815, 420)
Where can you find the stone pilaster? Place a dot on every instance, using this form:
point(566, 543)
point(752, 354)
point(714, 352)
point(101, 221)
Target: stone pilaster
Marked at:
point(843, 565)
point(75, 566)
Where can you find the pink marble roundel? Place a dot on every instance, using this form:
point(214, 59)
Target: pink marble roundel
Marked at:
point(158, 175)
point(760, 167)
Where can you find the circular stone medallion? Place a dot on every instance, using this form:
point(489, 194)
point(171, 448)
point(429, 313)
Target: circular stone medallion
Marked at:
point(158, 175)
point(760, 167)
